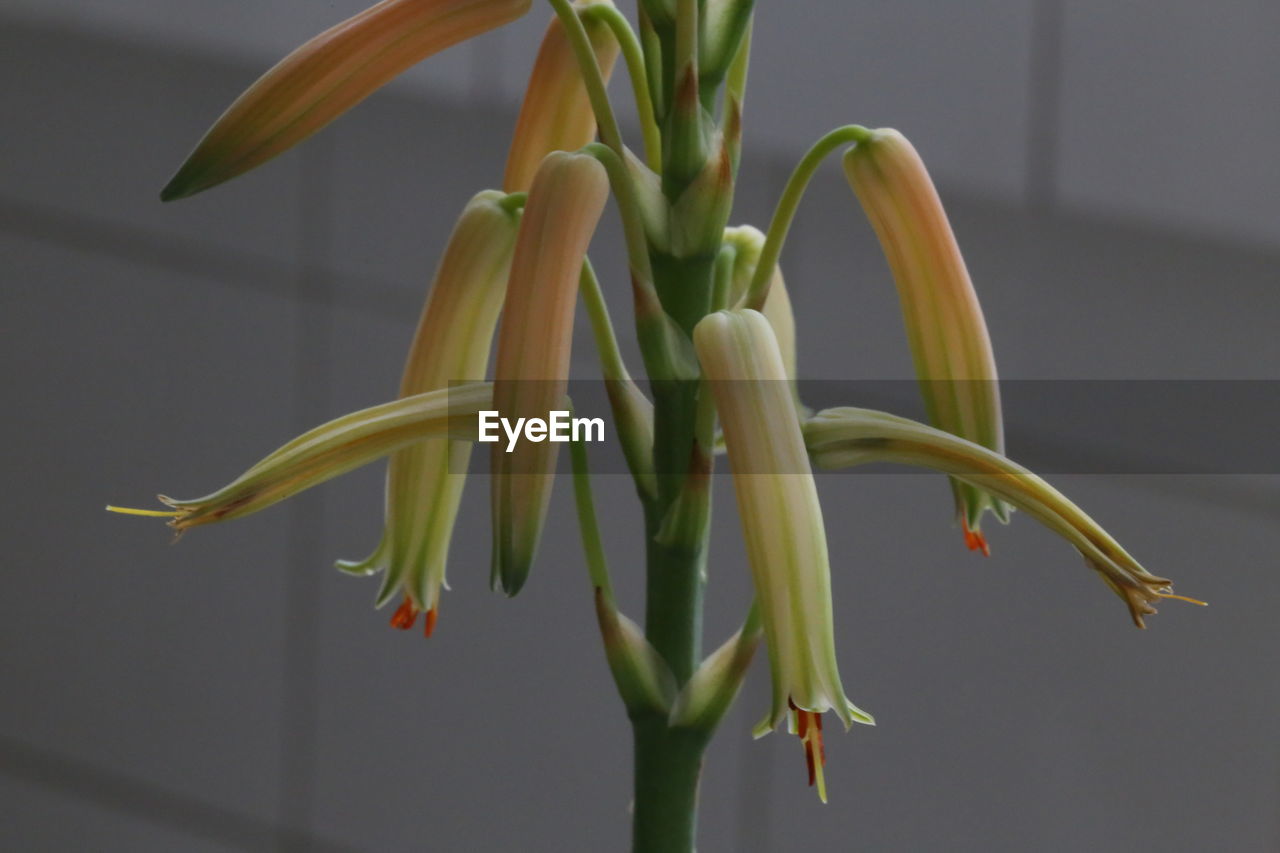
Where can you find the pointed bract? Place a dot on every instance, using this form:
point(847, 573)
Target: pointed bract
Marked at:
point(565, 203)
point(944, 322)
point(327, 76)
point(425, 481)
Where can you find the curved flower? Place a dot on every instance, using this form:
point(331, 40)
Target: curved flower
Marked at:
point(945, 327)
point(327, 76)
point(425, 481)
point(782, 523)
point(565, 203)
point(841, 438)
point(334, 448)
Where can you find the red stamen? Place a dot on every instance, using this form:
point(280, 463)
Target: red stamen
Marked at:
point(809, 730)
point(975, 540)
point(404, 617)
point(429, 624)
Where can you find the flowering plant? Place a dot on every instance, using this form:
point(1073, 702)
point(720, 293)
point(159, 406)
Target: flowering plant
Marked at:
point(718, 342)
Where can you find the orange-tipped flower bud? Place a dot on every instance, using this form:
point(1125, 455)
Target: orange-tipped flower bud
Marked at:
point(556, 114)
point(948, 336)
point(328, 76)
point(425, 481)
point(565, 203)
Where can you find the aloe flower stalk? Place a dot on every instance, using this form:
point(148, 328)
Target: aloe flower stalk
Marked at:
point(843, 437)
point(782, 522)
point(334, 448)
point(425, 481)
point(565, 203)
point(556, 114)
point(696, 288)
point(944, 322)
point(327, 76)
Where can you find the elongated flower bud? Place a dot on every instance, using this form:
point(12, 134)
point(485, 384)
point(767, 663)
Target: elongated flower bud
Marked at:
point(337, 447)
point(749, 243)
point(840, 438)
point(565, 203)
point(556, 114)
point(948, 336)
point(425, 481)
point(781, 519)
point(327, 76)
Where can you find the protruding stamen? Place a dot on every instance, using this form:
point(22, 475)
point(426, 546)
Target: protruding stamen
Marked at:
point(1182, 598)
point(149, 513)
point(975, 540)
point(404, 617)
point(809, 730)
point(429, 624)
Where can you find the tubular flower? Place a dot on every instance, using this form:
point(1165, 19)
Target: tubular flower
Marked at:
point(565, 203)
point(425, 481)
point(335, 448)
point(556, 114)
point(945, 327)
point(782, 522)
point(749, 243)
point(840, 438)
point(327, 76)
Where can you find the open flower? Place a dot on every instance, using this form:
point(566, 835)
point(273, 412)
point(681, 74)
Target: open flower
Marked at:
point(425, 481)
point(536, 337)
point(945, 327)
point(327, 76)
point(556, 114)
point(841, 438)
point(782, 523)
point(334, 448)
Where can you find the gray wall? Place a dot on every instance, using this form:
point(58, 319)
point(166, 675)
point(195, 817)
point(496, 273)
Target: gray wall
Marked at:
point(1107, 171)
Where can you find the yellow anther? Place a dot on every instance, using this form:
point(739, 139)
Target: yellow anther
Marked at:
point(150, 513)
point(1183, 598)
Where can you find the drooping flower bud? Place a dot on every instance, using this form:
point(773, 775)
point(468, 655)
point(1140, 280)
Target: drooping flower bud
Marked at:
point(425, 481)
point(327, 76)
point(748, 241)
point(841, 438)
point(945, 327)
point(565, 203)
point(334, 448)
point(556, 114)
point(781, 520)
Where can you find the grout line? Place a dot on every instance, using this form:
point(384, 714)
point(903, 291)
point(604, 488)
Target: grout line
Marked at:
point(1044, 104)
point(312, 381)
point(234, 269)
point(148, 802)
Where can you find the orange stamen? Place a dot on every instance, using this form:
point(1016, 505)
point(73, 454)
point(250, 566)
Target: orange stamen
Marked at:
point(429, 624)
point(404, 617)
point(809, 730)
point(975, 540)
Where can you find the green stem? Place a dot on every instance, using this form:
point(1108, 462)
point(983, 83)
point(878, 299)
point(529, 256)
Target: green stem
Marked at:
point(633, 55)
point(785, 212)
point(668, 764)
point(597, 90)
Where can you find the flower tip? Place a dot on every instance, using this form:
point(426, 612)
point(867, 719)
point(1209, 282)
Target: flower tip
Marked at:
point(429, 623)
point(975, 540)
point(404, 617)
